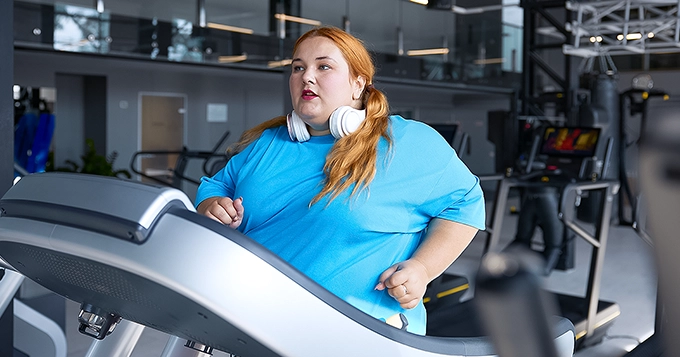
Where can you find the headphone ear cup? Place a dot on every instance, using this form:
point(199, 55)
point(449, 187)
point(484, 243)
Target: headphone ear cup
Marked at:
point(345, 120)
point(297, 129)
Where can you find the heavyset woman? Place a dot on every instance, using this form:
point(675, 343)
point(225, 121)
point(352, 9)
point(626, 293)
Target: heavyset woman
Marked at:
point(371, 206)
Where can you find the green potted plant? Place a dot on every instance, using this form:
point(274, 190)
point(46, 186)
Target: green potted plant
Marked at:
point(92, 163)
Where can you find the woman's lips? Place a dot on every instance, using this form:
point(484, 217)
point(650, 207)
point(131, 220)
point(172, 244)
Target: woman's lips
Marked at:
point(308, 95)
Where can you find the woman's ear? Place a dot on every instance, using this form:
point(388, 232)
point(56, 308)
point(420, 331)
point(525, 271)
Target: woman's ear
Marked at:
point(358, 86)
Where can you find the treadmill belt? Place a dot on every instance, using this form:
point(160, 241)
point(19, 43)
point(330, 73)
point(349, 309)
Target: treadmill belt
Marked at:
point(651, 347)
point(575, 308)
point(458, 320)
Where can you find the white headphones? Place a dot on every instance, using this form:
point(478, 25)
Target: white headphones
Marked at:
point(343, 121)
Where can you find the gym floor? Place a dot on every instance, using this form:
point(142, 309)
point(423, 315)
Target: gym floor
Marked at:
point(629, 279)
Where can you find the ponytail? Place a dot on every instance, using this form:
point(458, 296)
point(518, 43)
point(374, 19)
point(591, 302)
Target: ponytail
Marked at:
point(352, 160)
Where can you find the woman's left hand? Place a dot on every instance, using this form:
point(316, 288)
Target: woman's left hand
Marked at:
point(405, 282)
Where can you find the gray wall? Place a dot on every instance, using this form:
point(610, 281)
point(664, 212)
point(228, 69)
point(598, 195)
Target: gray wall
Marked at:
point(252, 97)
point(443, 105)
point(6, 144)
point(69, 130)
point(6, 104)
point(660, 112)
point(94, 95)
point(668, 81)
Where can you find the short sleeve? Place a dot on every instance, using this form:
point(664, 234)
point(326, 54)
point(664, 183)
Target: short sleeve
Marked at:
point(458, 196)
point(222, 184)
point(215, 186)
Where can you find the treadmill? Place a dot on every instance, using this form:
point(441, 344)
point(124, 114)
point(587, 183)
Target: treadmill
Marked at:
point(565, 171)
point(135, 256)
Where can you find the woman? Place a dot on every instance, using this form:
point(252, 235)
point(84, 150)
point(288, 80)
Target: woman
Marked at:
point(372, 208)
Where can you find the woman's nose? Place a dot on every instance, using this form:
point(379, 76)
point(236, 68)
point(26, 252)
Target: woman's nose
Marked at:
point(308, 77)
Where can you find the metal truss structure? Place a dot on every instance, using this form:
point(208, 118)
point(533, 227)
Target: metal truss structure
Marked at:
point(545, 33)
point(623, 27)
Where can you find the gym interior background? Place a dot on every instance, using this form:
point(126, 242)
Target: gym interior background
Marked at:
point(193, 70)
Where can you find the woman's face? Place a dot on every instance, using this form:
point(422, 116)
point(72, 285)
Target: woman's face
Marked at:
point(320, 82)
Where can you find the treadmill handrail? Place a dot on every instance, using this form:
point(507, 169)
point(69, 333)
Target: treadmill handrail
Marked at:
point(9, 285)
point(185, 154)
point(567, 206)
point(205, 155)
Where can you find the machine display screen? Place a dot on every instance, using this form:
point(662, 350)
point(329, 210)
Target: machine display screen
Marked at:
point(570, 141)
point(448, 131)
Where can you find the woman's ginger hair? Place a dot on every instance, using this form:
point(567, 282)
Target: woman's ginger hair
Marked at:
point(353, 158)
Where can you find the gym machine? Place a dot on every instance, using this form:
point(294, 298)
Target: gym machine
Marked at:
point(565, 174)
point(137, 255)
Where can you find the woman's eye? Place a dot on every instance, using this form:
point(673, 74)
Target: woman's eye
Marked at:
point(298, 68)
point(324, 66)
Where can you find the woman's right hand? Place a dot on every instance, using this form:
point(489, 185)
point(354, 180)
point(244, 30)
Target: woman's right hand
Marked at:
point(223, 209)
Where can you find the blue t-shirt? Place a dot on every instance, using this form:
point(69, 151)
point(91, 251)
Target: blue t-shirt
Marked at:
point(347, 244)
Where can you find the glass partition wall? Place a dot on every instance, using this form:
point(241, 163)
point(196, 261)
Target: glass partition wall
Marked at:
point(409, 40)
